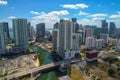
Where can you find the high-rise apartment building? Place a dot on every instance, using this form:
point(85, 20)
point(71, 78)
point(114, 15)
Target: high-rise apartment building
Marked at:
point(75, 25)
point(6, 29)
point(55, 39)
point(28, 26)
point(104, 27)
point(105, 38)
point(77, 42)
point(20, 29)
point(40, 28)
point(97, 32)
point(118, 45)
point(112, 29)
point(56, 25)
point(67, 42)
point(98, 43)
point(2, 39)
point(65, 38)
point(90, 42)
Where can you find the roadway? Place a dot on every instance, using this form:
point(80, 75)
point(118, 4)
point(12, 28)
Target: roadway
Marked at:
point(36, 69)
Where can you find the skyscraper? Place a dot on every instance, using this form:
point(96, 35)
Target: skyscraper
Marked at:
point(32, 32)
point(65, 35)
point(105, 38)
point(56, 25)
point(88, 32)
point(2, 39)
point(20, 29)
point(6, 29)
point(75, 25)
point(65, 38)
point(99, 43)
point(77, 42)
point(55, 39)
point(28, 26)
point(104, 27)
point(97, 32)
point(118, 45)
point(112, 29)
point(90, 42)
point(40, 30)
point(74, 20)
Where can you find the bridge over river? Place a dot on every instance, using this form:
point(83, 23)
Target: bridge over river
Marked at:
point(38, 69)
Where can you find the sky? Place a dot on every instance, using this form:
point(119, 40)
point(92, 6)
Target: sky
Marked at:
point(87, 12)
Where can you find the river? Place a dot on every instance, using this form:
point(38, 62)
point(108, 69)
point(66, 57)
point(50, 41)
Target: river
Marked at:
point(47, 58)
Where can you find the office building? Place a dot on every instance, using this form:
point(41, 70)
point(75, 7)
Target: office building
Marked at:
point(32, 33)
point(104, 27)
point(6, 29)
point(98, 44)
point(112, 29)
point(117, 33)
point(97, 32)
point(77, 42)
point(75, 25)
point(74, 20)
point(118, 45)
point(55, 39)
point(82, 36)
point(28, 26)
point(105, 38)
point(40, 28)
point(88, 32)
point(2, 39)
point(56, 25)
point(90, 42)
point(20, 30)
point(91, 56)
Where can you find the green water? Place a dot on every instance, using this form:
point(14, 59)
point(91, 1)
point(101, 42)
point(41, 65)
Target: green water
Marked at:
point(47, 58)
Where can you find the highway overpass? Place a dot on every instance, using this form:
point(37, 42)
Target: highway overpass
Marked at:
point(37, 69)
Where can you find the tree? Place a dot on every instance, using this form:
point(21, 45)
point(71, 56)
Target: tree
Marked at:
point(111, 72)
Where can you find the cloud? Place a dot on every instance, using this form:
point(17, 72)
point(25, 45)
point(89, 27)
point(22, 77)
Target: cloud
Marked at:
point(98, 15)
point(34, 12)
point(62, 12)
point(90, 22)
point(97, 19)
point(2, 2)
point(74, 6)
point(48, 18)
point(11, 17)
point(116, 21)
point(83, 13)
point(115, 16)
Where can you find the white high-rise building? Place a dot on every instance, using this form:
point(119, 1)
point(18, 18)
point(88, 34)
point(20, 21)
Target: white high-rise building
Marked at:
point(20, 29)
point(2, 39)
point(90, 42)
point(55, 39)
point(99, 43)
point(65, 39)
point(118, 45)
point(88, 32)
point(77, 42)
point(104, 37)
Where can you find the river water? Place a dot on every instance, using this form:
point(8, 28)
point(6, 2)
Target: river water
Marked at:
point(47, 58)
